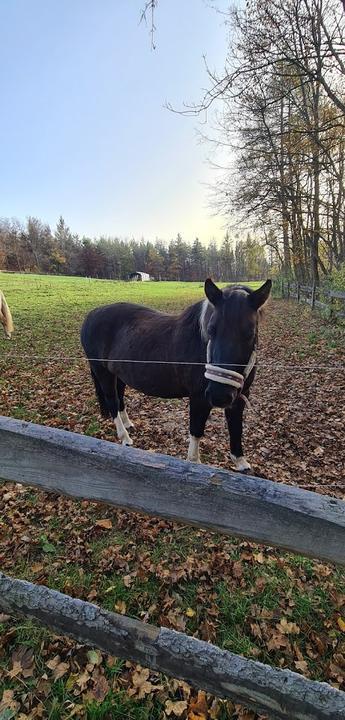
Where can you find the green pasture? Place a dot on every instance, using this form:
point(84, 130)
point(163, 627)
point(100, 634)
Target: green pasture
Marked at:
point(48, 310)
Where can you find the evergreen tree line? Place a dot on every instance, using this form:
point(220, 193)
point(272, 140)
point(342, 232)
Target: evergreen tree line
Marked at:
point(33, 247)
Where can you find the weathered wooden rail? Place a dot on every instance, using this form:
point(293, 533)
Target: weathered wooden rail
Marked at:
point(280, 693)
point(233, 504)
point(310, 294)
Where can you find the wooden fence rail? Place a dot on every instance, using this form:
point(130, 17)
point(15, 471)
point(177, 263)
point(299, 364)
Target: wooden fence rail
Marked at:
point(280, 693)
point(260, 510)
point(310, 294)
point(250, 507)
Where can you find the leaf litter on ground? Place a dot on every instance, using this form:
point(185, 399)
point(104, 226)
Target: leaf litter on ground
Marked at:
point(277, 608)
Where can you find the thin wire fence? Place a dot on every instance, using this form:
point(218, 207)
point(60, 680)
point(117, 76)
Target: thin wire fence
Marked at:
point(77, 358)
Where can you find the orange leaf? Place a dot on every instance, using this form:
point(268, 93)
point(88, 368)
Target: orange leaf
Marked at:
point(198, 709)
point(106, 524)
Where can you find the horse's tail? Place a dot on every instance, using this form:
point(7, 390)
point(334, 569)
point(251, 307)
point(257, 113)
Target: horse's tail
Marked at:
point(6, 315)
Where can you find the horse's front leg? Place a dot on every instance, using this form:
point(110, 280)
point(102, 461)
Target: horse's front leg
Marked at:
point(199, 411)
point(234, 418)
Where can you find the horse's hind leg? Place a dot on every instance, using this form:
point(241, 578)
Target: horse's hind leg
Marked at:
point(121, 387)
point(100, 395)
point(106, 389)
point(199, 411)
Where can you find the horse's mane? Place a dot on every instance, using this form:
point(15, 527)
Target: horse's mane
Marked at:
point(191, 315)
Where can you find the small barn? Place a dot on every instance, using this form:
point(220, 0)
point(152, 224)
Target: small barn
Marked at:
point(139, 276)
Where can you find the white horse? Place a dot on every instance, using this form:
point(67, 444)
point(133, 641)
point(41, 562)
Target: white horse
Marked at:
point(5, 316)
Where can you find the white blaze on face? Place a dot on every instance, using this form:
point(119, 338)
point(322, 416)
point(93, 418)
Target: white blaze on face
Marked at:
point(193, 449)
point(125, 419)
point(122, 433)
point(205, 314)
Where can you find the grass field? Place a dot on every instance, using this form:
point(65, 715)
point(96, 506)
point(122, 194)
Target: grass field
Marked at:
point(43, 304)
point(280, 609)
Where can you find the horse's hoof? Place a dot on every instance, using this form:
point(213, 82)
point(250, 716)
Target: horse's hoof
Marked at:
point(241, 464)
point(127, 441)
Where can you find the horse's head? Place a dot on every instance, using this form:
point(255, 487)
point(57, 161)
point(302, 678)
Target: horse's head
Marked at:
point(230, 325)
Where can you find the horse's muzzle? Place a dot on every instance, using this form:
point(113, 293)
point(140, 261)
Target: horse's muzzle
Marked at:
point(222, 396)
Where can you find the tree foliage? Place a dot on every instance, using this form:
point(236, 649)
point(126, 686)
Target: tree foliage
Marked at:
point(33, 247)
point(283, 104)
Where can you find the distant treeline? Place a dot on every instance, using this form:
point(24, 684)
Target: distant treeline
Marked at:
point(34, 247)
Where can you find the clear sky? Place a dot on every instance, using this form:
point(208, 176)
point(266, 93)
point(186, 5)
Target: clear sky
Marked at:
point(83, 128)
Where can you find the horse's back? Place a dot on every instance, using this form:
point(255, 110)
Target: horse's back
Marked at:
point(140, 345)
point(122, 322)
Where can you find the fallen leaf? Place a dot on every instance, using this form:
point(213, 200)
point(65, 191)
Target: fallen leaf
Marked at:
point(60, 670)
point(121, 607)
point(94, 657)
point(190, 612)
point(106, 524)
point(215, 709)
point(23, 662)
point(198, 709)
point(8, 703)
point(237, 569)
point(175, 708)
point(302, 665)
point(101, 687)
point(4, 618)
point(277, 641)
point(141, 684)
point(288, 628)
point(83, 679)
point(341, 623)
point(52, 664)
point(127, 580)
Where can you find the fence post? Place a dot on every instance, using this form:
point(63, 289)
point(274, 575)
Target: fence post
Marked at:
point(298, 292)
point(312, 302)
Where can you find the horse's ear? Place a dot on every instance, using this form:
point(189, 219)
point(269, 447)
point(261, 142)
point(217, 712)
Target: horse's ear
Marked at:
point(258, 297)
point(212, 292)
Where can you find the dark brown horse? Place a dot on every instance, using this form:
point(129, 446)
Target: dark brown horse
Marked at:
point(168, 355)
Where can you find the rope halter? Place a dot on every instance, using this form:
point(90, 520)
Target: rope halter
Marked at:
point(226, 376)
